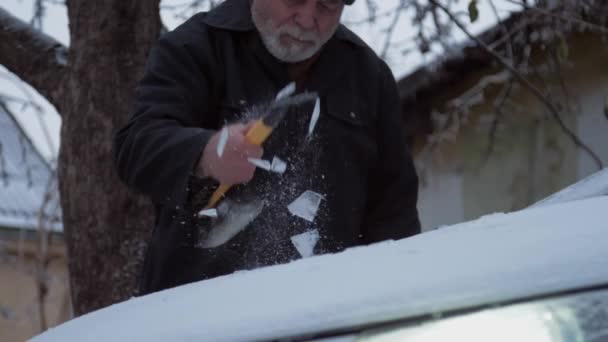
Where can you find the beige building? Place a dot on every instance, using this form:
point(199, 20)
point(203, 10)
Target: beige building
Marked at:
point(33, 262)
point(33, 296)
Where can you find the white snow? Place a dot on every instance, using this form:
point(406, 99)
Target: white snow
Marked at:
point(494, 259)
point(208, 213)
point(287, 91)
point(277, 165)
point(306, 206)
point(261, 163)
point(305, 243)
point(314, 118)
point(221, 145)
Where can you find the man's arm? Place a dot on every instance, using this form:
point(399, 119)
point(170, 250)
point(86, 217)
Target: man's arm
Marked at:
point(158, 149)
point(393, 192)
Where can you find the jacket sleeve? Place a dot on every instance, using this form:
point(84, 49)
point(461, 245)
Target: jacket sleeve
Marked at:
point(393, 191)
point(157, 150)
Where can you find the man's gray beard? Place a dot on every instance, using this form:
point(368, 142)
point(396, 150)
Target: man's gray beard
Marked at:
point(271, 39)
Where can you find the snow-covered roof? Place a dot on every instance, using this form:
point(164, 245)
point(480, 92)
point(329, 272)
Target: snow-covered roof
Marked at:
point(419, 88)
point(495, 259)
point(24, 179)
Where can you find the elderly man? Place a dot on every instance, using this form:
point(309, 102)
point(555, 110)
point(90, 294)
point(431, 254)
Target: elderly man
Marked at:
point(349, 179)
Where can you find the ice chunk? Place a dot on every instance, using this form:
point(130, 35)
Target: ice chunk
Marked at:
point(261, 163)
point(306, 206)
point(287, 91)
point(305, 243)
point(234, 219)
point(278, 165)
point(208, 213)
point(221, 145)
point(314, 118)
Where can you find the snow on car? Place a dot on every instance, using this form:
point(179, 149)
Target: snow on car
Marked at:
point(501, 259)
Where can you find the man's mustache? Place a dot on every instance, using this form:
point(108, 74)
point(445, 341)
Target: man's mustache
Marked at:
point(300, 34)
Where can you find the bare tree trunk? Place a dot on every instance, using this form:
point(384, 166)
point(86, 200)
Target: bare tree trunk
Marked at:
point(105, 225)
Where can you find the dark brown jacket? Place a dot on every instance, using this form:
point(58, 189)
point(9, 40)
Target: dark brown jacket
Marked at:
point(214, 69)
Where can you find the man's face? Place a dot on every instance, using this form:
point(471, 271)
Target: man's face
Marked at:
point(294, 30)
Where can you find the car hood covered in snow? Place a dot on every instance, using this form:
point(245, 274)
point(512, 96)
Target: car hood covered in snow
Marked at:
point(497, 258)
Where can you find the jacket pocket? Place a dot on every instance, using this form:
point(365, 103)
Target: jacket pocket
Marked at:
point(346, 114)
point(349, 132)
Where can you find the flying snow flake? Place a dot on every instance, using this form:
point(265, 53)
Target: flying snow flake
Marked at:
point(221, 145)
point(287, 91)
point(314, 118)
point(208, 213)
point(261, 163)
point(278, 165)
point(306, 206)
point(305, 243)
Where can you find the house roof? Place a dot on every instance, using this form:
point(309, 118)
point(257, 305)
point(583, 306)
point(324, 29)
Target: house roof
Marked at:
point(418, 89)
point(25, 177)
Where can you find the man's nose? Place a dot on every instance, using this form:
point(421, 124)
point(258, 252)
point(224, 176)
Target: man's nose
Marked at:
point(306, 16)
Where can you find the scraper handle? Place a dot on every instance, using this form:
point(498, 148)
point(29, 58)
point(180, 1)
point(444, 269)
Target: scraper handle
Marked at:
point(257, 134)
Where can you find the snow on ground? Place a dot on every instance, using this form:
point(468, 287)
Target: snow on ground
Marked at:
point(495, 258)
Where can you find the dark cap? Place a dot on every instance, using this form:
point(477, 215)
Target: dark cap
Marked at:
point(349, 2)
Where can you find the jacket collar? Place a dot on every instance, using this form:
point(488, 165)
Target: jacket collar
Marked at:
point(235, 15)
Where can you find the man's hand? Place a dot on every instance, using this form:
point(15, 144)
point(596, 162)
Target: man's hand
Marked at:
point(232, 167)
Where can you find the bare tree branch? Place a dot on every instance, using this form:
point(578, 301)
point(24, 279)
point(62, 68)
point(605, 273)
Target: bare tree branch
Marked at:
point(499, 110)
point(391, 30)
point(526, 83)
point(43, 260)
point(36, 58)
point(583, 23)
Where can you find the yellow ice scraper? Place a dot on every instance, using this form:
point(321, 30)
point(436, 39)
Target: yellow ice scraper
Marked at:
point(262, 129)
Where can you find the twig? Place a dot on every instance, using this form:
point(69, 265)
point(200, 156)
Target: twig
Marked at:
point(593, 26)
point(498, 107)
point(391, 30)
point(505, 31)
point(43, 260)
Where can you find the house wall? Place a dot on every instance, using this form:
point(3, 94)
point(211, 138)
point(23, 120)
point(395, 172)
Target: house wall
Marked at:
point(591, 86)
point(532, 157)
point(440, 199)
point(19, 304)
